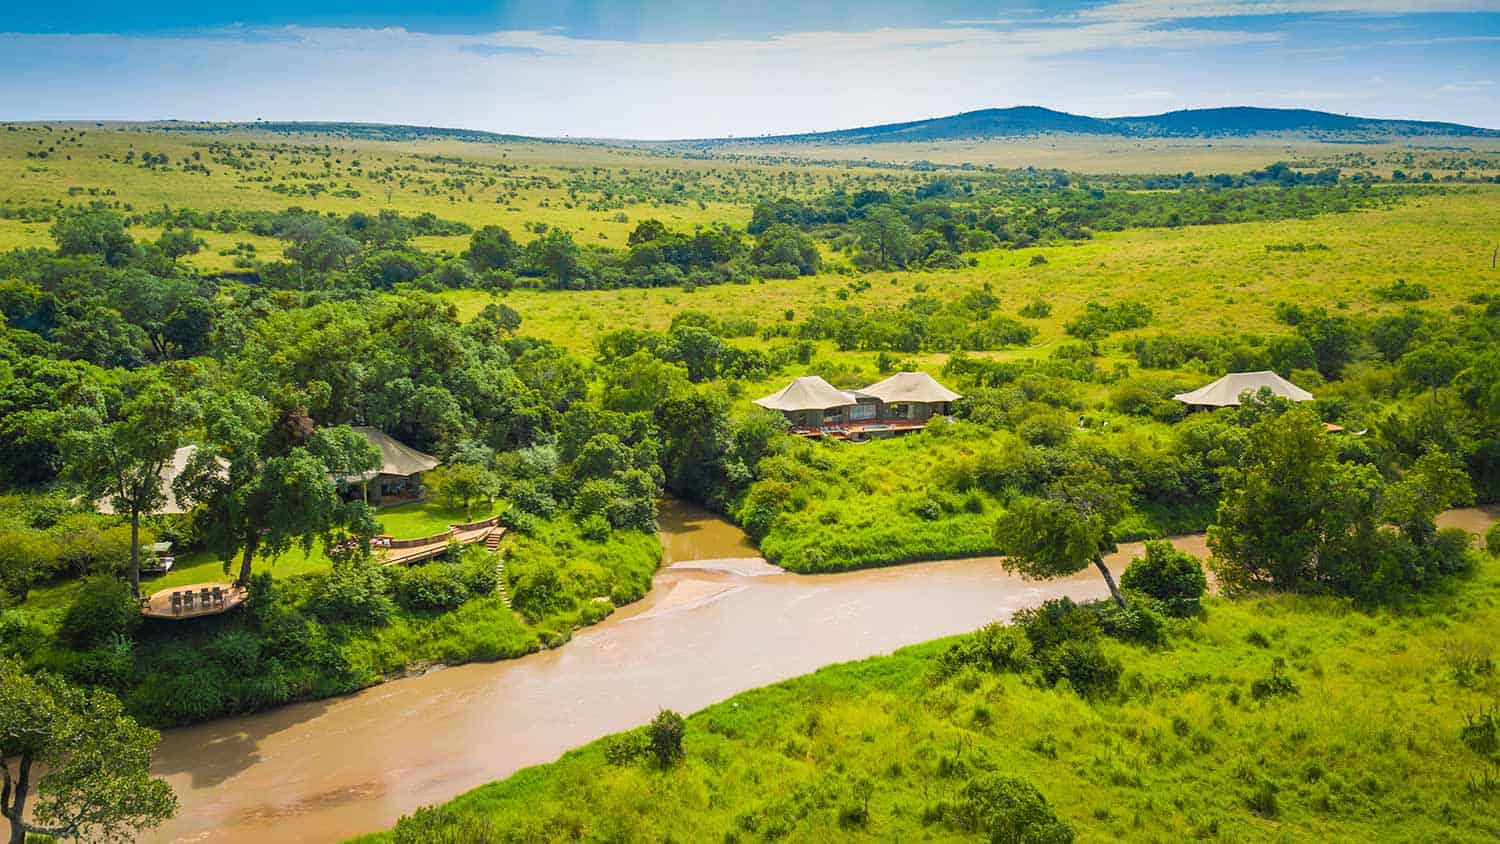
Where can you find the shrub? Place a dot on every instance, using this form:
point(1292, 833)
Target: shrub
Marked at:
point(1173, 578)
point(1007, 809)
point(1140, 623)
point(595, 528)
point(1275, 685)
point(1057, 621)
point(666, 731)
point(539, 591)
point(102, 609)
point(355, 592)
point(1083, 664)
point(993, 647)
point(1492, 540)
point(435, 587)
point(479, 573)
point(624, 748)
point(1481, 733)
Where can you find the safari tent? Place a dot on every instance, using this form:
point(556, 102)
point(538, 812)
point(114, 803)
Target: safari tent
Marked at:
point(1226, 391)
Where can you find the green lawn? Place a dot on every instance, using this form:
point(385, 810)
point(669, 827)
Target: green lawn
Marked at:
point(425, 518)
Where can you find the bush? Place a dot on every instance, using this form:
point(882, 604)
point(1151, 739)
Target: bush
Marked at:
point(1006, 809)
point(1057, 621)
point(435, 587)
point(1173, 578)
point(1140, 623)
point(993, 647)
point(1481, 733)
point(1492, 540)
point(1276, 685)
point(102, 609)
point(355, 592)
point(595, 528)
point(539, 591)
point(1083, 664)
point(666, 731)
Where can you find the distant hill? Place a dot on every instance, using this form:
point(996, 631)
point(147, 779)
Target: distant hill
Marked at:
point(1188, 123)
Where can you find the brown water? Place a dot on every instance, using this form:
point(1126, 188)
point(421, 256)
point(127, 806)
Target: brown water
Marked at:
point(327, 770)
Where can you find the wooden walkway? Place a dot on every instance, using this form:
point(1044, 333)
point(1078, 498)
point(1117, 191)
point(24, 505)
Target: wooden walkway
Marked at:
point(400, 552)
point(159, 605)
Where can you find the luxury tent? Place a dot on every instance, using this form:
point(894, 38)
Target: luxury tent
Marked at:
point(169, 473)
point(904, 402)
point(809, 402)
point(1226, 391)
point(913, 395)
point(401, 467)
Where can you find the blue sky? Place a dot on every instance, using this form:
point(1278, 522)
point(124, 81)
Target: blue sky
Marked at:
point(655, 69)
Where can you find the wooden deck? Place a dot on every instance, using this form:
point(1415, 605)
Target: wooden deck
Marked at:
point(861, 430)
point(159, 605)
point(432, 546)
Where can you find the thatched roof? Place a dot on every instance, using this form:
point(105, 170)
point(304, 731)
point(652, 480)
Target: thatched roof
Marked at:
point(1226, 391)
point(807, 393)
point(169, 472)
point(911, 387)
point(396, 457)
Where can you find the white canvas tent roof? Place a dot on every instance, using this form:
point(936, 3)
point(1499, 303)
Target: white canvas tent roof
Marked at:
point(911, 387)
point(169, 472)
point(1226, 391)
point(806, 393)
point(396, 457)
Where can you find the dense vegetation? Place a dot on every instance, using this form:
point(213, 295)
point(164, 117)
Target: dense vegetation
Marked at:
point(574, 341)
point(1265, 718)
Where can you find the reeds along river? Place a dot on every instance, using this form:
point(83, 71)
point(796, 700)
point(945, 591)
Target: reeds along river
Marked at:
point(327, 770)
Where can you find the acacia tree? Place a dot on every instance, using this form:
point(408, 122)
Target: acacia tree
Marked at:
point(885, 235)
point(270, 479)
point(1063, 532)
point(93, 762)
point(118, 455)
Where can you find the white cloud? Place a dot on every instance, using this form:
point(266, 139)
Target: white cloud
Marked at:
point(548, 83)
point(1167, 10)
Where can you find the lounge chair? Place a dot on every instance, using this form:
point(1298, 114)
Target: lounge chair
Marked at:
point(205, 597)
point(187, 599)
point(218, 597)
point(176, 602)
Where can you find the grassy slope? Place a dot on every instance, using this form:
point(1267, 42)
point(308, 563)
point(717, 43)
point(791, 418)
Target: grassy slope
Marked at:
point(1369, 749)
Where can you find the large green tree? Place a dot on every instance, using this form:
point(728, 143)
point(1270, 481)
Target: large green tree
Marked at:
point(1065, 531)
point(118, 454)
point(269, 479)
point(86, 762)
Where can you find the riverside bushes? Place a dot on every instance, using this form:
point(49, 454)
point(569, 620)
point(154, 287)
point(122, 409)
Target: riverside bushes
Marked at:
point(315, 635)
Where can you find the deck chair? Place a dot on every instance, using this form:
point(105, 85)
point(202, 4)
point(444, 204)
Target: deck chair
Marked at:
point(218, 597)
point(176, 602)
point(205, 598)
point(187, 599)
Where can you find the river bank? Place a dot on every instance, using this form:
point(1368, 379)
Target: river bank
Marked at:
point(326, 770)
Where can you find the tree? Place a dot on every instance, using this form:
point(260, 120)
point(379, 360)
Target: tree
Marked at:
point(175, 243)
point(1063, 533)
point(556, 255)
point(97, 762)
point(698, 350)
point(784, 245)
point(93, 232)
point(1292, 515)
point(667, 730)
point(268, 480)
point(461, 484)
point(492, 248)
point(885, 235)
point(120, 456)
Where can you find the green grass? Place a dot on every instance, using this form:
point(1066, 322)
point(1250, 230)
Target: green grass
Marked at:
point(430, 517)
point(1368, 749)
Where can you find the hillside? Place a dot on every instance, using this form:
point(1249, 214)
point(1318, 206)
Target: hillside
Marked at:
point(1188, 123)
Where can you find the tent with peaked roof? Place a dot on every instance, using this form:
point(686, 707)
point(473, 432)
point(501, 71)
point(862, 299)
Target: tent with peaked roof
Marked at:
point(911, 387)
point(169, 472)
point(1226, 391)
point(807, 393)
point(401, 466)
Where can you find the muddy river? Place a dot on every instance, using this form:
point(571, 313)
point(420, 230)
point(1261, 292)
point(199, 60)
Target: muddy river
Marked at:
point(718, 620)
